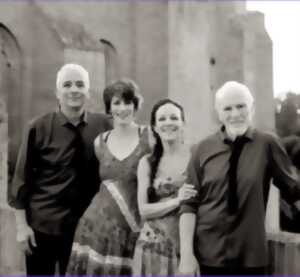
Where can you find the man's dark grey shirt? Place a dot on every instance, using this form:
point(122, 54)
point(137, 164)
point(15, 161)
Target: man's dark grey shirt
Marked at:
point(224, 239)
point(46, 182)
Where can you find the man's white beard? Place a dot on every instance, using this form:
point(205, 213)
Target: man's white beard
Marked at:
point(233, 132)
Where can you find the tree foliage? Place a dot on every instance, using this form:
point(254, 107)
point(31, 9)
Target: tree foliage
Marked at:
point(287, 115)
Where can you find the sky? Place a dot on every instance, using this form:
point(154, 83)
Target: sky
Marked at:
point(282, 22)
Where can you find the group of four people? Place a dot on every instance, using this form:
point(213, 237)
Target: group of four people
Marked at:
point(161, 208)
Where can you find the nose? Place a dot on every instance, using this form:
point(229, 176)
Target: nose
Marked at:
point(235, 112)
point(168, 122)
point(123, 106)
point(74, 89)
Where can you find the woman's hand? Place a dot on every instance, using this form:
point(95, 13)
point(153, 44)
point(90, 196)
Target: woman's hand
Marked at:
point(187, 191)
point(189, 266)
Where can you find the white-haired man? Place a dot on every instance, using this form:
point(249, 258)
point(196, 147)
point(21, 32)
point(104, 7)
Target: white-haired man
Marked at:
point(56, 174)
point(223, 228)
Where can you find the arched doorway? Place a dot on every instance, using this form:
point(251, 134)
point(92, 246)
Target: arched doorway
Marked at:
point(10, 90)
point(11, 258)
point(111, 61)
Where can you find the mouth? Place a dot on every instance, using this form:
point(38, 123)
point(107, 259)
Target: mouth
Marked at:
point(171, 129)
point(75, 98)
point(123, 115)
point(237, 123)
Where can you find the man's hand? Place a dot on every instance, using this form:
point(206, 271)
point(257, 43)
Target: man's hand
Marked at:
point(189, 266)
point(25, 236)
point(297, 205)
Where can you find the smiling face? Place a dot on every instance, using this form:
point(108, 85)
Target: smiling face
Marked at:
point(235, 111)
point(72, 89)
point(169, 123)
point(122, 111)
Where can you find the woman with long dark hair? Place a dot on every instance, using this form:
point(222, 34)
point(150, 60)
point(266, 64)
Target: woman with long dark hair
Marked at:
point(161, 189)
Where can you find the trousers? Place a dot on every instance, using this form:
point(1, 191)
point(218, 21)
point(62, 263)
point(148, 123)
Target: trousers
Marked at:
point(51, 250)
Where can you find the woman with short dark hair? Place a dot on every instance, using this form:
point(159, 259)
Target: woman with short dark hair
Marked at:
point(106, 234)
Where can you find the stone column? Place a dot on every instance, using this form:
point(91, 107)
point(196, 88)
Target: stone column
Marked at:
point(150, 42)
point(11, 258)
point(3, 155)
point(258, 76)
point(188, 71)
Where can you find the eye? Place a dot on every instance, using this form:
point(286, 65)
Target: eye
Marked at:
point(127, 102)
point(161, 118)
point(174, 117)
point(67, 84)
point(240, 106)
point(80, 84)
point(227, 109)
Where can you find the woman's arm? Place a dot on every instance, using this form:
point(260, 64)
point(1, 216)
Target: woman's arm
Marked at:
point(188, 263)
point(154, 210)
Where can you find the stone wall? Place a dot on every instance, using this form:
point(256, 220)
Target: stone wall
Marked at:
point(210, 44)
point(189, 69)
point(179, 49)
point(11, 259)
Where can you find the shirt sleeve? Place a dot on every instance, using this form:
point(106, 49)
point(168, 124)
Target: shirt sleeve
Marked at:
point(20, 186)
point(194, 177)
point(284, 174)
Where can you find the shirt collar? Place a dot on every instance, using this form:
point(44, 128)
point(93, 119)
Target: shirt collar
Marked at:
point(249, 135)
point(64, 120)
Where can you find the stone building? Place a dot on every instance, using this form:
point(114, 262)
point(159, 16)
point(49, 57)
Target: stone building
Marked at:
point(179, 49)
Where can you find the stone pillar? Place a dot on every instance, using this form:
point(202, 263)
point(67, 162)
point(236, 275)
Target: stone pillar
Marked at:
point(3, 154)
point(150, 45)
point(189, 71)
point(258, 68)
point(258, 76)
point(11, 258)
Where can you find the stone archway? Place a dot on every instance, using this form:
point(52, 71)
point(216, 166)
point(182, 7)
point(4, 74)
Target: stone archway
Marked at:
point(10, 90)
point(11, 258)
point(111, 61)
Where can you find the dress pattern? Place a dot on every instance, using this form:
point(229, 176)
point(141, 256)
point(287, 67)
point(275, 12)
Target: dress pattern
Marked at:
point(106, 234)
point(157, 247)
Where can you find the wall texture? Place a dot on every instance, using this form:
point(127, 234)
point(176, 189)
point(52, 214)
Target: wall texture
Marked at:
point(183, 50)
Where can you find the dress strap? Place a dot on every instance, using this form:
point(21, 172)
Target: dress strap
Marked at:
point(140, 130)
point(105, 136)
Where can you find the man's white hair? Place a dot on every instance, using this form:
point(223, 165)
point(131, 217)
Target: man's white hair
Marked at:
point(233, 86)
point(72, 66)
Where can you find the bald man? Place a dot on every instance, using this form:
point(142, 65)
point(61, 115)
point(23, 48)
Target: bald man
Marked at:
point(222, 230)
point(56, 174)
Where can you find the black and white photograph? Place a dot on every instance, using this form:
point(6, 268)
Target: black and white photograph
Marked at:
point(149, 137)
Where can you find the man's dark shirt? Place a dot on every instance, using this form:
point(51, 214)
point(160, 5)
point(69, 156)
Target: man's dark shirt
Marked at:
point(46, 182)
point(289, 214)
point(223, 239)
